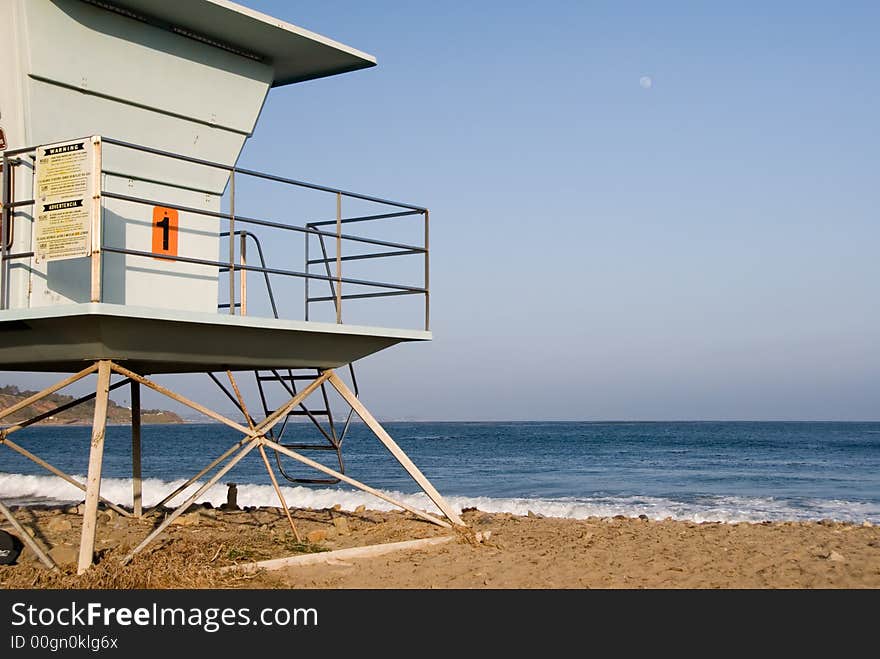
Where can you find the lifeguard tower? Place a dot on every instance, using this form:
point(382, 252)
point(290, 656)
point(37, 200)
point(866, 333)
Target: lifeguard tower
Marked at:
point(126, 227)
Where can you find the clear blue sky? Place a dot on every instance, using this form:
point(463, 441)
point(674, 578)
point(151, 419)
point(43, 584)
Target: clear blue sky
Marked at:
point(701, 248)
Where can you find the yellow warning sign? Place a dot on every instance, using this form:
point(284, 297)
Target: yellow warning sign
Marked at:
point(63, 188)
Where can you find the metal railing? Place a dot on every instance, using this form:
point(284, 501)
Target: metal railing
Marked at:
point(235, 264)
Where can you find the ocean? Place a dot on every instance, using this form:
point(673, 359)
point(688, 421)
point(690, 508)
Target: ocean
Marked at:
point(699, 471)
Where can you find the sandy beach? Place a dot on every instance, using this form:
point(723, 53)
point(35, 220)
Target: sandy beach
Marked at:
point(521, 552)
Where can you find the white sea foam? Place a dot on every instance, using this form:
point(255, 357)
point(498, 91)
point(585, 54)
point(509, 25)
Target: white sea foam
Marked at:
point(19, 489)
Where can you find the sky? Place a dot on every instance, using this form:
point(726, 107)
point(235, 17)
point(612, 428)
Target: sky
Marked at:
point(640, 211)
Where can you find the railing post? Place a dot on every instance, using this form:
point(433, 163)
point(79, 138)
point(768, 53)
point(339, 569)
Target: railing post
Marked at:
point(242, 277)
point(308, 239)
point(97, 223)
point(427, 273)
point(4, 229)
point(232, 242)
point(339, 257)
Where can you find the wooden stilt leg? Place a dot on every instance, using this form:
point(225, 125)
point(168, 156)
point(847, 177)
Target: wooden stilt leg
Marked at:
point(93, 483)
point(136, 485)
point(395, 450)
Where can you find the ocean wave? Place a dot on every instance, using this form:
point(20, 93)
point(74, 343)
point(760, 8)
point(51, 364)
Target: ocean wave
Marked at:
point(23, 490)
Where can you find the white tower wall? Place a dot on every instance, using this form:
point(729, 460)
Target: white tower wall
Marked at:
point(73, 70)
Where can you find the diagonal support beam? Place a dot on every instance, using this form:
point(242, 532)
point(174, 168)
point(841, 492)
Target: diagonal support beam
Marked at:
point(55, 470)
point(232, 449)
point(395, 450)
point(351, 481)
point(186, 504)
point(259, 429)
point(254, 437)
point(48, 391)
point(249, 434)
point(225, 391)
point(239, 400)
point(26, 538)
point(279, 494)
point(180, 399)
point(247, 415)
point(56, 410)
point(305, 409)
point(270, 421)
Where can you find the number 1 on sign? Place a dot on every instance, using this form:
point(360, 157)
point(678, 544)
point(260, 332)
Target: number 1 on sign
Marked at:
point(164, 231)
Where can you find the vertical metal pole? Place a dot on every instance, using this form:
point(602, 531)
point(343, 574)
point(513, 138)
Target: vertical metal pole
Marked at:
point(96, 456)
point(232, 243)
point(136, 491)
point(339, 257)
point(427, 274)
point(242, 276)
point(308, 239)
point(97, 224)
point(4, 229)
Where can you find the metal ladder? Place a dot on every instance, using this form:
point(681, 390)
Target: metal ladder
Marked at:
point(322, 419)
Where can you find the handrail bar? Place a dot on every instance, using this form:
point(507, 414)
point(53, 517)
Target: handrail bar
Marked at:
point(363, 218)
point(17, 255)
point(251, 172)
point(254, 268)
point(372, 255)
point(359, 296)
point(264, 223)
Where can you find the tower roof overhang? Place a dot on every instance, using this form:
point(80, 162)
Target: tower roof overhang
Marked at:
point(296, 54)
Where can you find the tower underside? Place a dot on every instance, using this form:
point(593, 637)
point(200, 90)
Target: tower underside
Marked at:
point(64, 338)
point(256, 433)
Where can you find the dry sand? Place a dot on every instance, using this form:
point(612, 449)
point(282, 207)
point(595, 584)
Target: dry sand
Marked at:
point(522, 552)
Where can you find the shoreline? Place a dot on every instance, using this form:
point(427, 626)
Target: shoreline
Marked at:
point(46, 491)
point(523, 552)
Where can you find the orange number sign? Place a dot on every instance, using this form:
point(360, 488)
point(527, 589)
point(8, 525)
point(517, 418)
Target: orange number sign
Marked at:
point(164, 231)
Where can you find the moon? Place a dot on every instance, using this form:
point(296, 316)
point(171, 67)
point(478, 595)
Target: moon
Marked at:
point(646, 82)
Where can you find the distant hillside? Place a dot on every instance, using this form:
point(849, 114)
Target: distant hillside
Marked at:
point(81, 414)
